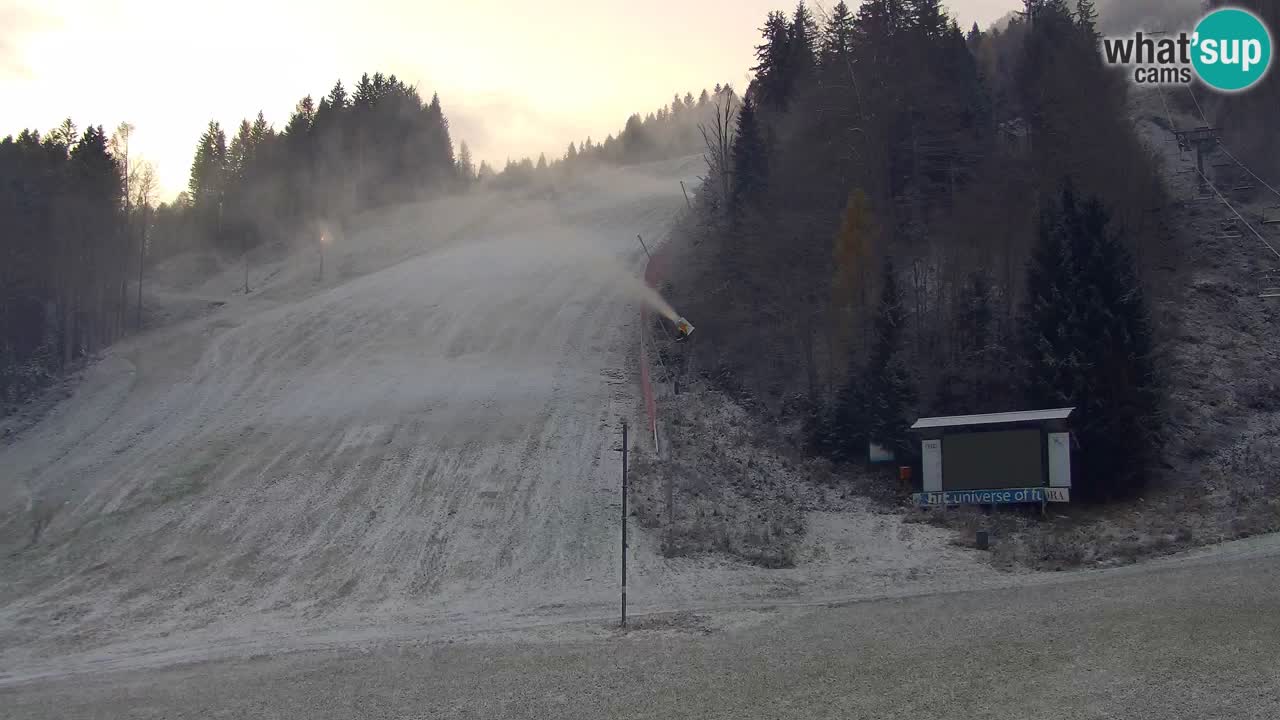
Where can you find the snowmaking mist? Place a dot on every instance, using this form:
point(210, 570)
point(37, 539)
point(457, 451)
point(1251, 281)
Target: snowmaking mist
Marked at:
point(596, 264)
point(559, 254)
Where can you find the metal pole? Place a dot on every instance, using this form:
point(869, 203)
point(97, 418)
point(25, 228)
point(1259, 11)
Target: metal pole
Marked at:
point(646, 248)
point(671, 504)
point(624, 523)
point(1200, 164)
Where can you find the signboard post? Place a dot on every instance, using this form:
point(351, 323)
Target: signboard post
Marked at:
point(995, 459)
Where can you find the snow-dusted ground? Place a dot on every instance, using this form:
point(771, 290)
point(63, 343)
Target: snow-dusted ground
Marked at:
point(421, 445)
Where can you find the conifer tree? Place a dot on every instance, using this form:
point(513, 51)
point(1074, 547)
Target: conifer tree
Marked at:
point(890, 392)
point(802, 46)
point(838, 37)
point(466, 165)
point(774, 62)
point(750, 158)
point(879, 397)
point(1087, 17)
point(1088, 344)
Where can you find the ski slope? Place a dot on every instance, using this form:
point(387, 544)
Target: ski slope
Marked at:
point(422, 439)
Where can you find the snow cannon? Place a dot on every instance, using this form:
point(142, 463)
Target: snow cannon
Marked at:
point(683, 329)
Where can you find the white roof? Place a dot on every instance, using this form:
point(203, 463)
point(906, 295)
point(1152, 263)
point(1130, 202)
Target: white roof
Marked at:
point(993, 418)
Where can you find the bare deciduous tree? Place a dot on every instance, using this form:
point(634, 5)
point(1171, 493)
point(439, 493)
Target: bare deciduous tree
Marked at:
point(143, 188)
point(718, 139)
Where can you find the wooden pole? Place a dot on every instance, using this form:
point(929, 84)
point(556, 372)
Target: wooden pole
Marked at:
point(686, 195)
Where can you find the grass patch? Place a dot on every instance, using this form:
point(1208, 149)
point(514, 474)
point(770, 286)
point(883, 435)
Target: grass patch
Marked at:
point(734, 491)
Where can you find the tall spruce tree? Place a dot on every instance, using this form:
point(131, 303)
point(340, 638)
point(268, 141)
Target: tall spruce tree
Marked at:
point(774, 56)
point(802, 47)
point(837, 39)
point(1087, 17)
point(1088, 344)
point(877, 401)
point(890, 391)
point(750, 158)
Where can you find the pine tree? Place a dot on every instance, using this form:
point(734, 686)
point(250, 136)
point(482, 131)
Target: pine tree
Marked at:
point(466, 166)
point(890, 392)
point(299, 125)
point(337, 97)
point(439, 152)
point(879, 396)
point(1087, 17)
point(773, 71)
point(965, 385)
point(750, 158)
point(927, 17)
point(238, 154)
point(635, 139)
point(66, 135)
point(838, 37)
point(802, 46)
point(208, 183)
point(1088, 344)
point(261, 131)
point(974, 37)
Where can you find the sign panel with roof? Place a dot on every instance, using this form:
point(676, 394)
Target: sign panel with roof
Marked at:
point(995, 459)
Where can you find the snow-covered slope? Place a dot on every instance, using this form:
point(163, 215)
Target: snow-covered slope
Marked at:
point(423, 438)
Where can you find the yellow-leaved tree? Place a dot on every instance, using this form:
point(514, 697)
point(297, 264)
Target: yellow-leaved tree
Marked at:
point(853, 287)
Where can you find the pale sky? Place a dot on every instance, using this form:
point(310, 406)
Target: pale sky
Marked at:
point(515, 77)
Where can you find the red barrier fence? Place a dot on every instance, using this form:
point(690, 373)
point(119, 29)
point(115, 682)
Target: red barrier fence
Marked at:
point(654, 270)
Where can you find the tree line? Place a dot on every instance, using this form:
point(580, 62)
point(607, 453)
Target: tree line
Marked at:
point(671, 131)
point(72, 206)
point(908, 219)
point(81, 224)
point(377, 145)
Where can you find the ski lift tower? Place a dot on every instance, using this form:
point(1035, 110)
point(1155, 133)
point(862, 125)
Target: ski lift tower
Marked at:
point(1199, 139)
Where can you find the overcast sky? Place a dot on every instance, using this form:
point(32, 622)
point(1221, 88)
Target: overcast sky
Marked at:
point(515, 77)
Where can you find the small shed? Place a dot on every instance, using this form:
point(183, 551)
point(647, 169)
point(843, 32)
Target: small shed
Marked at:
point(998, 458)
